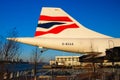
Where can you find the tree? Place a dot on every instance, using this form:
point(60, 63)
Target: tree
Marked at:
point(35, 57)
point(1, 52)
point(9, 49)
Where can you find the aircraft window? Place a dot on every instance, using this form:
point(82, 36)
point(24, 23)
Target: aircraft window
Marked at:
point(65, 59)
point(58, 59)
point(68, 59)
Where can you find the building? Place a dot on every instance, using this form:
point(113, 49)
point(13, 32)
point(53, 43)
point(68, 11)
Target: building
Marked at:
point(66, 61)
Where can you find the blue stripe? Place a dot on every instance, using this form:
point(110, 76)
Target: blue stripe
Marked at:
point(48, 25)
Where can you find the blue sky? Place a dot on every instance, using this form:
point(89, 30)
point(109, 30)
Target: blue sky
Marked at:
point(100, 15)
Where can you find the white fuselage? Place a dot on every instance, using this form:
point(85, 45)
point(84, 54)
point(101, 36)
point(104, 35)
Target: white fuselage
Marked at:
point(77, 45)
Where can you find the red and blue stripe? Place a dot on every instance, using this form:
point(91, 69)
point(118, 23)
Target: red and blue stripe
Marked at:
point(55, 21)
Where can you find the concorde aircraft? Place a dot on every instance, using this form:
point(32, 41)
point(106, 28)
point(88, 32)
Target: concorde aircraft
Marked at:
point(59, 31)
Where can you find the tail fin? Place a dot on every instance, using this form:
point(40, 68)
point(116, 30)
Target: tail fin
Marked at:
point(54, 22)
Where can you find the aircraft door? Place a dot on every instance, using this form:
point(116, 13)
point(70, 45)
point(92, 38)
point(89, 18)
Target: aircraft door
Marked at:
point(110, 43)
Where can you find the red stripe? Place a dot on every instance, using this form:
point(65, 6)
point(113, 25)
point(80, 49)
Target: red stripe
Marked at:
point(56, 29)
point(50, 18)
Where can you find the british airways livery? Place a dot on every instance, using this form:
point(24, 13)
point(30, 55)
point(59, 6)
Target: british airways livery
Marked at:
point(59, 31)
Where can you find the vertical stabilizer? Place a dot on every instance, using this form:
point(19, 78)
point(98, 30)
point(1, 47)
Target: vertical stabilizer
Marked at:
point(54, 22)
